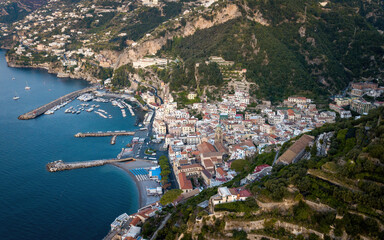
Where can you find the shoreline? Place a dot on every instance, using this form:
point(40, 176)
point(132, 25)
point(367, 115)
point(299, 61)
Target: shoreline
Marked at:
point(58, 74)
point(144, 200)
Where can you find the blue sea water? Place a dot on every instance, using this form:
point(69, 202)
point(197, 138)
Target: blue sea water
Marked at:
point(76, 204)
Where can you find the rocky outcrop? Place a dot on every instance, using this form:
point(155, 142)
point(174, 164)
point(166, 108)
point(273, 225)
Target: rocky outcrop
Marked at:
point(150, 45)
point(249, 226)
point(55, 70)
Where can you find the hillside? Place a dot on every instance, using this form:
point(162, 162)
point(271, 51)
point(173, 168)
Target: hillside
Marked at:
point(291, 47)
point(332, 196)
point(281, 47)
point(14, 10)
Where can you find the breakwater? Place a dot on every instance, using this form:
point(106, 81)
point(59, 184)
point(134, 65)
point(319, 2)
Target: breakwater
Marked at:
point(104, 134)
point(40, 110)
point(59, 165)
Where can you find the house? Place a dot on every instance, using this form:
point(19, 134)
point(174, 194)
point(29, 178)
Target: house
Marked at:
point(297, 150)
point(207, 177)
point(185, 184)
point(220, 173)
point(225, 195)
point(192, 96)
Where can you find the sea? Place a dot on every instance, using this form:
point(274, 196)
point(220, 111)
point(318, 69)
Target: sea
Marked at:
point(75, 204)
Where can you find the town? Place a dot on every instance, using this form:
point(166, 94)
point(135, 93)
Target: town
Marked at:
point(201, 150)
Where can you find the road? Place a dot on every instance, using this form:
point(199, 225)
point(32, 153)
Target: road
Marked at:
point(161, 226)
point(274, 160)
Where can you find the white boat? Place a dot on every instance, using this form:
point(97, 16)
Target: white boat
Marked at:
point(100, 114)
point(89, 109)
point(27, 87)
point(49, 112)
point(13, 78)
point(16, 97)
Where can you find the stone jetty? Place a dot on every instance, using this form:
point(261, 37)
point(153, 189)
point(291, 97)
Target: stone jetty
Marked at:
point(59, 165)
point(40, 110)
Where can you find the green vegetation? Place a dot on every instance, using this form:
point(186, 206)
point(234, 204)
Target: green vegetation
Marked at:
point(246, 206)
point(337, 45)
point(347, 182)
point(165, 169)
point(149, 151)
point(121, 76)
point(170, 196)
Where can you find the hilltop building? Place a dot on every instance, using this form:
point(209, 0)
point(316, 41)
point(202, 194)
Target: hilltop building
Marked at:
point(297, 150)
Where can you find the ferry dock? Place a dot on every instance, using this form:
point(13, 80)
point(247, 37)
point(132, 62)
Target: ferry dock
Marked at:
point(40, 110)
point(104, 134)
point(59, 165)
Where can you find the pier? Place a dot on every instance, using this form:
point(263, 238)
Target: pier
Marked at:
point(104, 134)
point(40, 110)
point(59, 165)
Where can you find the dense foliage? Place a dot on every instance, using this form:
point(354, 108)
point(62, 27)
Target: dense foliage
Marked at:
point(170, 196)
point(306, 49)
point(165, 169)
point(121, 76)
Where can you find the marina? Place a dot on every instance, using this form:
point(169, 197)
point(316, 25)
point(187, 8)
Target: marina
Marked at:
point(58, 201)
point(40, 110)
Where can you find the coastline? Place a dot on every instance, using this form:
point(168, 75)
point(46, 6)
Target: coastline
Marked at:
point(144, 200)
point(56, 72)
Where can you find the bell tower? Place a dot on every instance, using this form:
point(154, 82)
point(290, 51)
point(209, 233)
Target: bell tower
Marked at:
point(218, 134)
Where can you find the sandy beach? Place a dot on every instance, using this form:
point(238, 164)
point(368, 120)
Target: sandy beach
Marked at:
point(144, 199)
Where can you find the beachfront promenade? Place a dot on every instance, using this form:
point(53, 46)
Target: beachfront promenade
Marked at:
point(40, 110)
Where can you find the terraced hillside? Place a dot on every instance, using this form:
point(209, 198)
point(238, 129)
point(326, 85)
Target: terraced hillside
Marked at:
point(334, 196)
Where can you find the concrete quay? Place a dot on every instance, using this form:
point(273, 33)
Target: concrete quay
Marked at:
point(59, 165)
point(104, 134)
point(40, 110)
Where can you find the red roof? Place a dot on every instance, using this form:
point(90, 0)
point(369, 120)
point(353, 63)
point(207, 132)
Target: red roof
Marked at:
point(184, 182)
point(135, 221)
point(205, 147)
point(261, 167)
point(245, 193)
point(221, 172)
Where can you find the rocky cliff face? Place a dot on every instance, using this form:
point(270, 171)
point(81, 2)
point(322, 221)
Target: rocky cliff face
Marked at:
point(154, 43)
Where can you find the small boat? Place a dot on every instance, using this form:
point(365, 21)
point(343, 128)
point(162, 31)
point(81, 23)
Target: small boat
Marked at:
point(13, 78)
point(16, 97)
point(27, 87)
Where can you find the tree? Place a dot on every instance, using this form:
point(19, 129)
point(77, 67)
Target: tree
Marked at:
point(170, 196)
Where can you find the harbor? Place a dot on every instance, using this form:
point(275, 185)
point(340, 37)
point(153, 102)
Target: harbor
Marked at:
point(41, 110)
point(59, 200)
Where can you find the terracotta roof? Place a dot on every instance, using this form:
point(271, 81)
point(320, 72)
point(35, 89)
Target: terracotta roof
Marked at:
point(205, 147)
point(191, 166)
point(208, 163)
point(221, 172)
point(220, 147)
point(295, 149)
point(184, 182)
point(260, 167)
point(135, 221)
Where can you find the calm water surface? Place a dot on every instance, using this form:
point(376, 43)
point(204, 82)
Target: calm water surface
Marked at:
point(77, 204)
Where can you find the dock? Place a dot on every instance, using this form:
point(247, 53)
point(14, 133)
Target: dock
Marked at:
point(59, 165)
point(40, 110)
point(104, 134)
